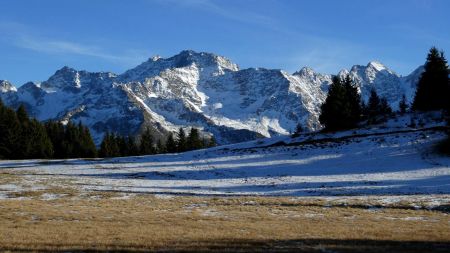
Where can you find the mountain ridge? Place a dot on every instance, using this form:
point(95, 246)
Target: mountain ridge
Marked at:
point(198, 89)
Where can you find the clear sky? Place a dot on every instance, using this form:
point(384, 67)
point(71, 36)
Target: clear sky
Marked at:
point(39, 37)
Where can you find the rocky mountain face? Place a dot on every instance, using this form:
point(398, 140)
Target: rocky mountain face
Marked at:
point(197, 89)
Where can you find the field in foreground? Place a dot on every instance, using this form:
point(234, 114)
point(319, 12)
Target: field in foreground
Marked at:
point(366, 192)
point(108, 222)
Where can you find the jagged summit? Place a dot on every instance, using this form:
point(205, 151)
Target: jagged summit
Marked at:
point(198, 89)
point(6, 86)
point(215, 64)
point(65, 69)
point(376, 65)
point(305, 71)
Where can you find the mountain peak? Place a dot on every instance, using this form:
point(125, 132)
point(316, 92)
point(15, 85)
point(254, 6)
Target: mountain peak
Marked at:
point(155, 57)
point(305, 71)
point(376, 65)
point(6, 86)
point(214, 64)
point(64, 78)
point(65, 70)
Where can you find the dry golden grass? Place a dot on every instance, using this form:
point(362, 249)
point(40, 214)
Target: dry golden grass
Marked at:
point(146, 222)
point(80, 220)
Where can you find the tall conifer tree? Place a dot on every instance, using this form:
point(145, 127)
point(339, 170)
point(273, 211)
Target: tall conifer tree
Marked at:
point(342, 108)
point(147, 145)
point(433, 88)
point(181, 140)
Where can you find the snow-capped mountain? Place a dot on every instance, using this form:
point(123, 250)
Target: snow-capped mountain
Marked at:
point(6, 86)
point(196, 89)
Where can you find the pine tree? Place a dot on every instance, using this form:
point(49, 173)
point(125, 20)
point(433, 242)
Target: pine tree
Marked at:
point(354, 101)
point(147, 146)
point(22, 115)
point(342, 107)
point(39, 144)
point(23, 146)
point(70, 137)
point(193, 140)
point(160, 147)
point(373, 107)
point(298, 130)
point(89, 150)
point(385, 109)
point(433, 88)
point(9, 133)
point(114, 148)
point(22, 137)
point(56, 132)
point(181, 140)
point(109, 146)
point(122, 144)
point(104, 146)
point(331, 110)
point(378, 108)
point(132, 147)
point(403, 105)
point(212, 142)
point(171, 145)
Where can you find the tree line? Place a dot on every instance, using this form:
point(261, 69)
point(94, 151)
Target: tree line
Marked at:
point(343, 108)
point(115, 145)
point(23, 137)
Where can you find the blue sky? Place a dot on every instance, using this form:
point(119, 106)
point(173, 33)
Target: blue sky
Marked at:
point(39, 37)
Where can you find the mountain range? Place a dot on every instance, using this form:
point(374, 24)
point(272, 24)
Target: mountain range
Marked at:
point(197, 89)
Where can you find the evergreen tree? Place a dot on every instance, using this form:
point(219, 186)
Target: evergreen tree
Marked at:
point(212, 142)
point(181, 140)
point(23, 146)
point(115, 149)
point(9, 133)
point(147, 146)
point(39, 144)
point(109, 146)
point(354, 101)
point(194, 141)
point(56, 133)
point(378, 108)
point(298, 130)
point(403, 105)
point(70, 137)
point(160, 147)
point(89, 150)
point(433, 88)
point(22, 115)
point(373, 107)
point(123, 145)
point(331, 110)
point(171, 145)
point(22, 137)
point(104, 146)
point(385, 109)
point(342, 107)
point(132, 147)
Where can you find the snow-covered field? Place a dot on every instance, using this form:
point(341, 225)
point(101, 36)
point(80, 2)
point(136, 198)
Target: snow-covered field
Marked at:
point(392, 166)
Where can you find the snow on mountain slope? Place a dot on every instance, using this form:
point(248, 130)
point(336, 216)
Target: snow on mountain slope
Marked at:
point(385, 162)
point(210, 65)
point(6, 86)
point(196, 89)
point(82, 96)
point(385, 82)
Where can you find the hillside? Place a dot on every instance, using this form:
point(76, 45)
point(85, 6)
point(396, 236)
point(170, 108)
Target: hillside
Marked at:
point(393, 160)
